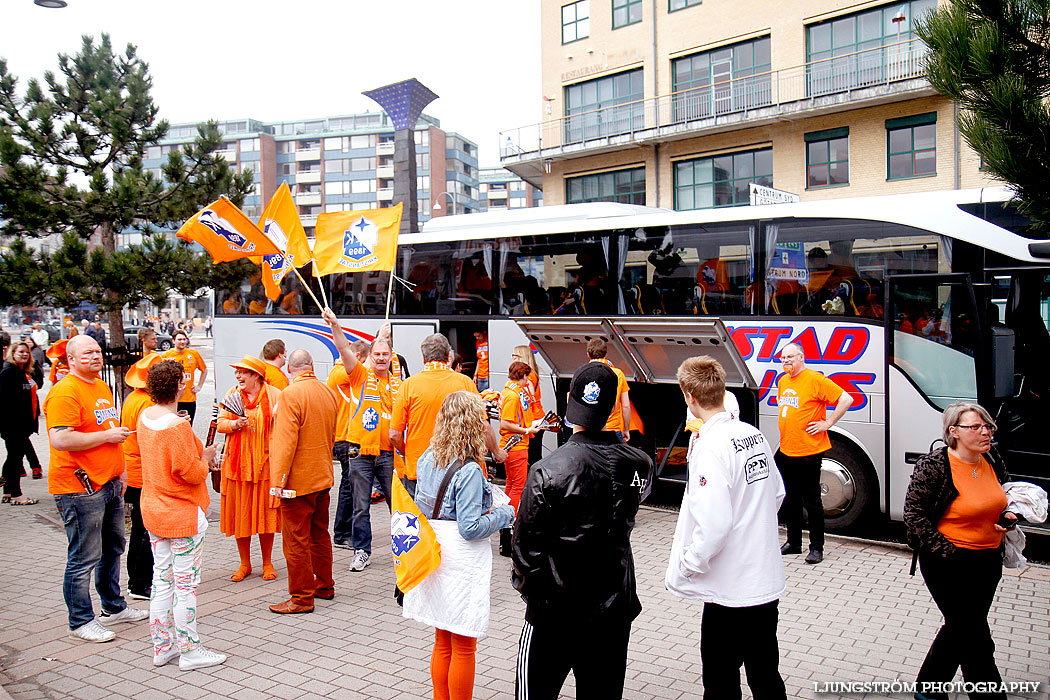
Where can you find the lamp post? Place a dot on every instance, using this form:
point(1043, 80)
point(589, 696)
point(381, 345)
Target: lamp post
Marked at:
point(437, 205)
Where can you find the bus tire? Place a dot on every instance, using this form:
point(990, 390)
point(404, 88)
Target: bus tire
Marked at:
point(847, 487)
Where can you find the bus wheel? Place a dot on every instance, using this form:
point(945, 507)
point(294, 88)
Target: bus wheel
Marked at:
point(846, 488)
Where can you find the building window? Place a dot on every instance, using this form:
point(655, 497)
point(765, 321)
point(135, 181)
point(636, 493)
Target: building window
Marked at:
point(575, 21)
point(827, 158)
point(866, 48)
point(624, 186)
point(611, 105)
point(721, 181)
point(911, 146)
point(626, 12)
point(673, 5)
point(727, 79)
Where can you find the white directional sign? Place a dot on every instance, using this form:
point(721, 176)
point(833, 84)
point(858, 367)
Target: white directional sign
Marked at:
point(768, 195)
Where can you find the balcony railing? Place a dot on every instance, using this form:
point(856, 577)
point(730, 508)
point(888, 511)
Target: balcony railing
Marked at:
point(844, 74)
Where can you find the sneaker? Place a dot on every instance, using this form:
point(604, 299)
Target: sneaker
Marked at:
point(162, 659)
point(378, 497)
point(128, 614)
point(200, 658)
point(93, 632)
point(360, 561)
point(144, 595)
point(343, 545)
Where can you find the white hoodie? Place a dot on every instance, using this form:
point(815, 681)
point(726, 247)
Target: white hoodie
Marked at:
point(726, 547)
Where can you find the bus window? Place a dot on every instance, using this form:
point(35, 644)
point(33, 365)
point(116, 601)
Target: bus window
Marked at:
point(836, 267)
point(565, 275)
point(687, 270)
point(455, 277)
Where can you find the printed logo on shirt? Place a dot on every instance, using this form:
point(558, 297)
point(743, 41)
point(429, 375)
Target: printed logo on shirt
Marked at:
point(102, 403)
point(370, 419)
point(404, 532)
point(523, 401)
point(104, 414)
point(756, 469)
point(748, 442)
point(591, 393)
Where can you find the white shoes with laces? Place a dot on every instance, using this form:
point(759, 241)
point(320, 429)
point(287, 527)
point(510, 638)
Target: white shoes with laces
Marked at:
point(360, 561)
point(128, 614)
point(92, 632)
point(200, 658)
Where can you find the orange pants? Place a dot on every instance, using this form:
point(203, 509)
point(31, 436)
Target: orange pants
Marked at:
point(307, 546)
point(517, 466)
point(452, 665)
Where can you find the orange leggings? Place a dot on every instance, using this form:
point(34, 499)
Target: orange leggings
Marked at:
point(517, 466)
point(452, 665)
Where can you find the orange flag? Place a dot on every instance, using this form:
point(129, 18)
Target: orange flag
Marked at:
point(226, 232)
point(356, 241)
point(412, 540)
point(281, 224)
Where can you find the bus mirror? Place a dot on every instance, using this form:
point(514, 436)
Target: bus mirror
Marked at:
point(1002, 362)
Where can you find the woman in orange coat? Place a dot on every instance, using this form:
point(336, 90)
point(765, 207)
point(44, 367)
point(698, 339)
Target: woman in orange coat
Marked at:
point(247, 506)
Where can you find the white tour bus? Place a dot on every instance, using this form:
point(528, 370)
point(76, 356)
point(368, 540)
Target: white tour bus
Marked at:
point(956, 276)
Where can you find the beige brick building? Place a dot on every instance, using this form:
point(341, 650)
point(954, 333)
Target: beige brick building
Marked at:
point(681, 103)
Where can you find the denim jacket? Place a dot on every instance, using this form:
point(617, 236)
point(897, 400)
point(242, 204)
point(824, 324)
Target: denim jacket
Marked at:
point(468, 499)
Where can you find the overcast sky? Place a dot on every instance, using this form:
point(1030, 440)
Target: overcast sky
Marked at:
point(275, 61)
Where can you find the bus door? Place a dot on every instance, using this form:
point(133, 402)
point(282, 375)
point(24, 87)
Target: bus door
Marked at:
point(649, 352)
point(934, 357)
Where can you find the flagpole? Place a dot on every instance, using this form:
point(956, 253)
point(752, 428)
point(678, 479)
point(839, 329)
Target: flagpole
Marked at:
point(389, 294)
point(320, 284)
point(308, 290)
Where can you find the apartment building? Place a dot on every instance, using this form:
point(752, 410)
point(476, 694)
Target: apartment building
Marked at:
point(500, 189)
point(682, 103)
point(339, 163)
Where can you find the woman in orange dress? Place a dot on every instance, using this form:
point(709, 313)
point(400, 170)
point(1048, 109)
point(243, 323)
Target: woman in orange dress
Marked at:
point(247, 506)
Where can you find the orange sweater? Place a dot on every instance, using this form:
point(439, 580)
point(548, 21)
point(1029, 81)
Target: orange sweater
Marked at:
point(173, 479)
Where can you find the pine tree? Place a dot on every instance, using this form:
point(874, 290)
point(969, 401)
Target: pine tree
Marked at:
point(71, 152)
point(993, 58)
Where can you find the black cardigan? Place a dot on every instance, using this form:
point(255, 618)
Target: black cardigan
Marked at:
point(16, 407)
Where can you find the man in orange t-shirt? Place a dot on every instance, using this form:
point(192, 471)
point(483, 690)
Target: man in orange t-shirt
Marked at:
point(481, 350)
point(339, 382)
point(417, 404)
point(620, 419)
point(139, 553)
point(803, 396)
point(192, 362)
point(84, 431)
point(274, 355)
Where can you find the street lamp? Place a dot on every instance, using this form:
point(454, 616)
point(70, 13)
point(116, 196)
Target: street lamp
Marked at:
point(52, 4)
point(437, 205)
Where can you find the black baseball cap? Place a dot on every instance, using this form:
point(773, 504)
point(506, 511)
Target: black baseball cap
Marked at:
point(592, 396)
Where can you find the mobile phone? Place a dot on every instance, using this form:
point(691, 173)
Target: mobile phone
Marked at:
point(1007, 523)
point(83, 477)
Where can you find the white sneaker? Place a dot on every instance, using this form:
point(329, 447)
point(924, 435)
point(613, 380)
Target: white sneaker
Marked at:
point(360, 561)
point(93, 632)
point(200, 658)
point(128, 614)
point(162, 659)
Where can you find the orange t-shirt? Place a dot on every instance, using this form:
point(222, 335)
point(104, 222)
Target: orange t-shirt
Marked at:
point(339, 381)
point(970, 519)
point(482, 372)
point(275, 377)
point(58, 371)
point(416, 407)
point(192, 362)
point(535, 396)
point(615, 422)
point(137, 402)
point(802, 400)
point(356, 428)
point(86, 407)
point(514, 407)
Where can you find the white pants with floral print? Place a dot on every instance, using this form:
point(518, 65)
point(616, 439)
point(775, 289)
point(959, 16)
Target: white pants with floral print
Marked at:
point(173, 603)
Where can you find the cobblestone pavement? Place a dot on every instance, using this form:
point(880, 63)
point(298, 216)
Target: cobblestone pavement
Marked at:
point(856, 617)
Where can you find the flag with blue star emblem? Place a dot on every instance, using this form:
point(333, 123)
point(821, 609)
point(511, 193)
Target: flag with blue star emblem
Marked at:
point(356, 241)
point(281, 224)
point(226, 232)
point(412, 540)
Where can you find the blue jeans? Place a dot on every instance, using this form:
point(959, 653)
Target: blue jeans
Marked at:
point(95, 530)
point(363, 469)
point(483, 383)
point(344, 505)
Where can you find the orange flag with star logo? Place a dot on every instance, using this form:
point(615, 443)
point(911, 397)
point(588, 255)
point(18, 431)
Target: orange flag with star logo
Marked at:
point(356, 241)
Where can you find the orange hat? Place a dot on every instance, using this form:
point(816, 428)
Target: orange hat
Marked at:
point(252, 364)
point(57, 351)
point(136, 376)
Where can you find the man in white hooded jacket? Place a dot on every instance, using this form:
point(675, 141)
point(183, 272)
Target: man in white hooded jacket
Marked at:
point(726, 550)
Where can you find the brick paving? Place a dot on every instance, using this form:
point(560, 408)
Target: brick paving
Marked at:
point(858, 616)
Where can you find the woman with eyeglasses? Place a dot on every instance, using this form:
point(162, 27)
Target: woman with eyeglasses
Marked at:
point(955, 512)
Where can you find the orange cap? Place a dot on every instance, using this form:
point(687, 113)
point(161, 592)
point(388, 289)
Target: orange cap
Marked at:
point(58, 349)
point(252, 364)
point(136, 376)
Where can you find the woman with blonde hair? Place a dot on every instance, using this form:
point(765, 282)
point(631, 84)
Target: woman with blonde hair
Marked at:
point(453, 491)
point(247, 506)
point(522, 353)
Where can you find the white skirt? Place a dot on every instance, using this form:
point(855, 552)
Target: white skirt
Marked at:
point(455, 596)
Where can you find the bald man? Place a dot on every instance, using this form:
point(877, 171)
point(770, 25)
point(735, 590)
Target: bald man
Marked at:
point(301, 465)
point(87, 478)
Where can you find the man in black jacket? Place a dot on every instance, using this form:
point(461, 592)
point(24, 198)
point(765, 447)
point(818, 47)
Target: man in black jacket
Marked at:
point(572, 552)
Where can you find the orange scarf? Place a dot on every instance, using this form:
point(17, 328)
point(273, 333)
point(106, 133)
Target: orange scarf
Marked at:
point(303, 376)
point(372, 400)
point(248, 450)
point(32, 394)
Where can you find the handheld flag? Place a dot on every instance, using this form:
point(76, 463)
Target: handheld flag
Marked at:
point(412, 540)
point(356, 241)
point(281, 224)
point(226, 232)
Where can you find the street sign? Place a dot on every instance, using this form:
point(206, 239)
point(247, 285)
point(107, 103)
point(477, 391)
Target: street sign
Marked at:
point(768, 195)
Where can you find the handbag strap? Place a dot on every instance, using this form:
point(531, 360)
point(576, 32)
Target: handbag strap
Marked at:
point(449, 473)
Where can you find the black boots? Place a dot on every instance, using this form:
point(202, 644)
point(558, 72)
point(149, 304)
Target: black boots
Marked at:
point(504, 542)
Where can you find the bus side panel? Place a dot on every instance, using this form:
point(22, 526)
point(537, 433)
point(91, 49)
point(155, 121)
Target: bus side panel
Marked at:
point(914, 426)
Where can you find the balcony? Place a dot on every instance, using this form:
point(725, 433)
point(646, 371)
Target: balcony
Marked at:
point(308, 219)
point(385, 171)
point(229, 155)
point(308, 198)
point(385, 193)
point(385, 148)
point(311, 154)
point(884, 74)
point(307, 177)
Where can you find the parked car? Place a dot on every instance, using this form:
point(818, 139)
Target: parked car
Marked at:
point(54, 331)
point(131, 339)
